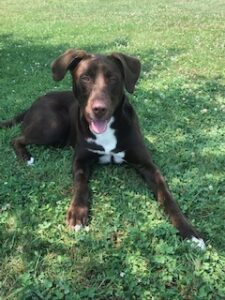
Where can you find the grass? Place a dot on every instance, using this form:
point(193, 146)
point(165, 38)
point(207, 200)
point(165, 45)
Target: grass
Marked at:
point(131, 250)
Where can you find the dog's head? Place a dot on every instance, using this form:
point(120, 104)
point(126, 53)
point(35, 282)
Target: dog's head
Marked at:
point(98, 82)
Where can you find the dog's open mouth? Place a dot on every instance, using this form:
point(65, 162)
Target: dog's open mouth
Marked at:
point(98, 126)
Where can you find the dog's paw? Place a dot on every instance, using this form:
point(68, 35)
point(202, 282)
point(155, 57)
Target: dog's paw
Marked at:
point(30, 162)
point(77, 217)
point(197, 243)
point(78, 227)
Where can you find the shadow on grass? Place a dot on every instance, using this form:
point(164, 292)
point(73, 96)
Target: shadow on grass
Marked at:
point(26, 74)
point(189, 112)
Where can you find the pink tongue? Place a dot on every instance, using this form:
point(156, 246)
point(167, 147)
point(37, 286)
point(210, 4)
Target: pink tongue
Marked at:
point(98, 126)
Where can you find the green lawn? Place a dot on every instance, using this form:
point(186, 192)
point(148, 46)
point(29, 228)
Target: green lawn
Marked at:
point(131, 250)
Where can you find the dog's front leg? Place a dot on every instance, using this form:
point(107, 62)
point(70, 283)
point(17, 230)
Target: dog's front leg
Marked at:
point(77, 215)
point(141, 160)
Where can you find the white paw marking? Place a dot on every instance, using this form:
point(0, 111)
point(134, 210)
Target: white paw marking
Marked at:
point(78, 227)
point(195, 242)
point(86, 228)
point(30, 162)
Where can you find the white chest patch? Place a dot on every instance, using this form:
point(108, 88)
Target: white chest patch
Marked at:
point(107, 140)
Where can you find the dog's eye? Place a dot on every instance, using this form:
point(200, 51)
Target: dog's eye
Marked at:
point(85, 78)
point(113, 79)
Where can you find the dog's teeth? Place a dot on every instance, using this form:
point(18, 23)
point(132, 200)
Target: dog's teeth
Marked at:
point(78, 227)
point(30, 162)
point(195, 242)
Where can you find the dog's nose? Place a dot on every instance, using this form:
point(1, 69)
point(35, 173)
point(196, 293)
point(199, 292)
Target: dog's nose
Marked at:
point(99, 110)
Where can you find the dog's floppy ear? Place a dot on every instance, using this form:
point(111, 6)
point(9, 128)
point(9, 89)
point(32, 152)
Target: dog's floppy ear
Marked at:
point(131, 67)
point(67, 61)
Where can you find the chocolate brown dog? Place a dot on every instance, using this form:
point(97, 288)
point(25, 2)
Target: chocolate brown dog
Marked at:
point(98, 120)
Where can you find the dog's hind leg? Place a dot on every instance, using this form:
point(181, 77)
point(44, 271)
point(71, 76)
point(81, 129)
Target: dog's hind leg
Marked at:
point(19, 146)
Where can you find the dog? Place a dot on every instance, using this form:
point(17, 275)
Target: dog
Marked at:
point(98, 121)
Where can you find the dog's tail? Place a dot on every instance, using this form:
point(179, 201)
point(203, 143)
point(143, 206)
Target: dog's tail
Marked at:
point(9, 123)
